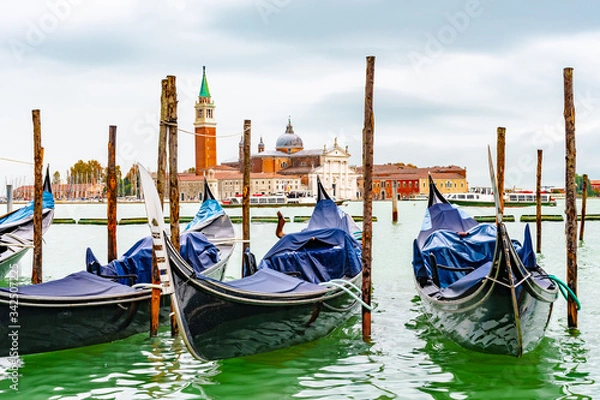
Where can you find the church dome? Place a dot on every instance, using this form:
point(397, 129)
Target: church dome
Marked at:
point(289, 141)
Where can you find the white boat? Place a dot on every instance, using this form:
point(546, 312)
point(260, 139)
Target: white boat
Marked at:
point(484, 197)
point(273, 200)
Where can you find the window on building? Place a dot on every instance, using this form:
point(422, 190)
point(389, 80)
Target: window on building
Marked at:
point(200, 113)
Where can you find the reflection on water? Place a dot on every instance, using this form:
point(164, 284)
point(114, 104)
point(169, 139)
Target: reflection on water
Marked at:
point(555, 369)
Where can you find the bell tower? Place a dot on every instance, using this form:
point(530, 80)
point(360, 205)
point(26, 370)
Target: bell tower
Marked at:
point(205, 128)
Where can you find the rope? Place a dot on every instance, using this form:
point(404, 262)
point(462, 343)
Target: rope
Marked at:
point(198, 134)
point(16, 161)
point(228, 240)
point(565, 290)
point(340, 284)
point(147, 286)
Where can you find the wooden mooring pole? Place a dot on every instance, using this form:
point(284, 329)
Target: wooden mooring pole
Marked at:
point(162, 144)
point(538, 203)
point(173, 171)
point(367, 232)
point(571, 193)
point(246, 190)
point(160, 189)
point(584, 190)
point(111, 193)
point(500, 163)
point(38, 197)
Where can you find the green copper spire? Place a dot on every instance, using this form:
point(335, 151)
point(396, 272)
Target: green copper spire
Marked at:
point(204, 91)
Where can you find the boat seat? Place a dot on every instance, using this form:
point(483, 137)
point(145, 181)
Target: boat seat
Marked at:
point(269, 281)
point(444, 275)
point(466, 283)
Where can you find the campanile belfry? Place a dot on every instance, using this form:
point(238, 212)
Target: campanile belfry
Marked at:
point(205, 128)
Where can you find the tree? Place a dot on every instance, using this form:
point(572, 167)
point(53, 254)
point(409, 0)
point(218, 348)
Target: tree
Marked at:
point(87, 172)
point(56, 178)
point(579, 182)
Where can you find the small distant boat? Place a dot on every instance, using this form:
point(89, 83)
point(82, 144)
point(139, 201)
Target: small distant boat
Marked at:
point(301, 291)
point(256, 200)
point(16, 228)
point(275, 201)
point(477, 286)
point(484, 197)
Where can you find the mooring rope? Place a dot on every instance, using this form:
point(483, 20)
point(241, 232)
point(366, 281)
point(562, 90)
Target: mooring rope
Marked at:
point(341, 284)
point(565, 290)
point(16, 161)
point(199, 134)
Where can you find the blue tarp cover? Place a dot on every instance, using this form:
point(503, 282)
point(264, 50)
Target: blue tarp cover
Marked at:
point(194, 248)
point(78, 284)
point(318, 255)
point(457, 240)
point(25, 212)
point(269, 281)
point(459, 287)
point(462, 251)
point(209, 209)
point(444, 216)
point(328, 215)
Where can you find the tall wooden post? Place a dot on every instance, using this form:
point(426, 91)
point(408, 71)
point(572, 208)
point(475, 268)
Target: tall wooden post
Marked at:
point(162, 144)
point(584, 190)
point(571, 193)
point(173, 148)
point(38, 197)
point(367, 233)
point(394, 201)
point(111, 193)
point(173, 182)
point(538, 203)
point(160, 189)
point(501, 162)
point(246, 191)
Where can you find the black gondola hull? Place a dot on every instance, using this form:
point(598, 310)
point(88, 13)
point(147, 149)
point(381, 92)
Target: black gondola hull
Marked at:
point(44, 325)
point(225, 324)
point(487, 322)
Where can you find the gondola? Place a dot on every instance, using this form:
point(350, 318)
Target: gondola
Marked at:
point(85, 308)
point(479, 288)
point(16, 228)
point(206, 244)
point(302, 289)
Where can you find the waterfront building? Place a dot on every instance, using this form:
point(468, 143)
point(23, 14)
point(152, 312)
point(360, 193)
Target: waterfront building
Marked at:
point(410, 181)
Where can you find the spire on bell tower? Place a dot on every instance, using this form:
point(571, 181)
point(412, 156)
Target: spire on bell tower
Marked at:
point(204, 90)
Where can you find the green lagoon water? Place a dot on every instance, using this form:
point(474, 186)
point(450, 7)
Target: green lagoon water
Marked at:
point(406, 358)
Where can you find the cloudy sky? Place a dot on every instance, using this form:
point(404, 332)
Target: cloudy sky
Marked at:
point(447, 74)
